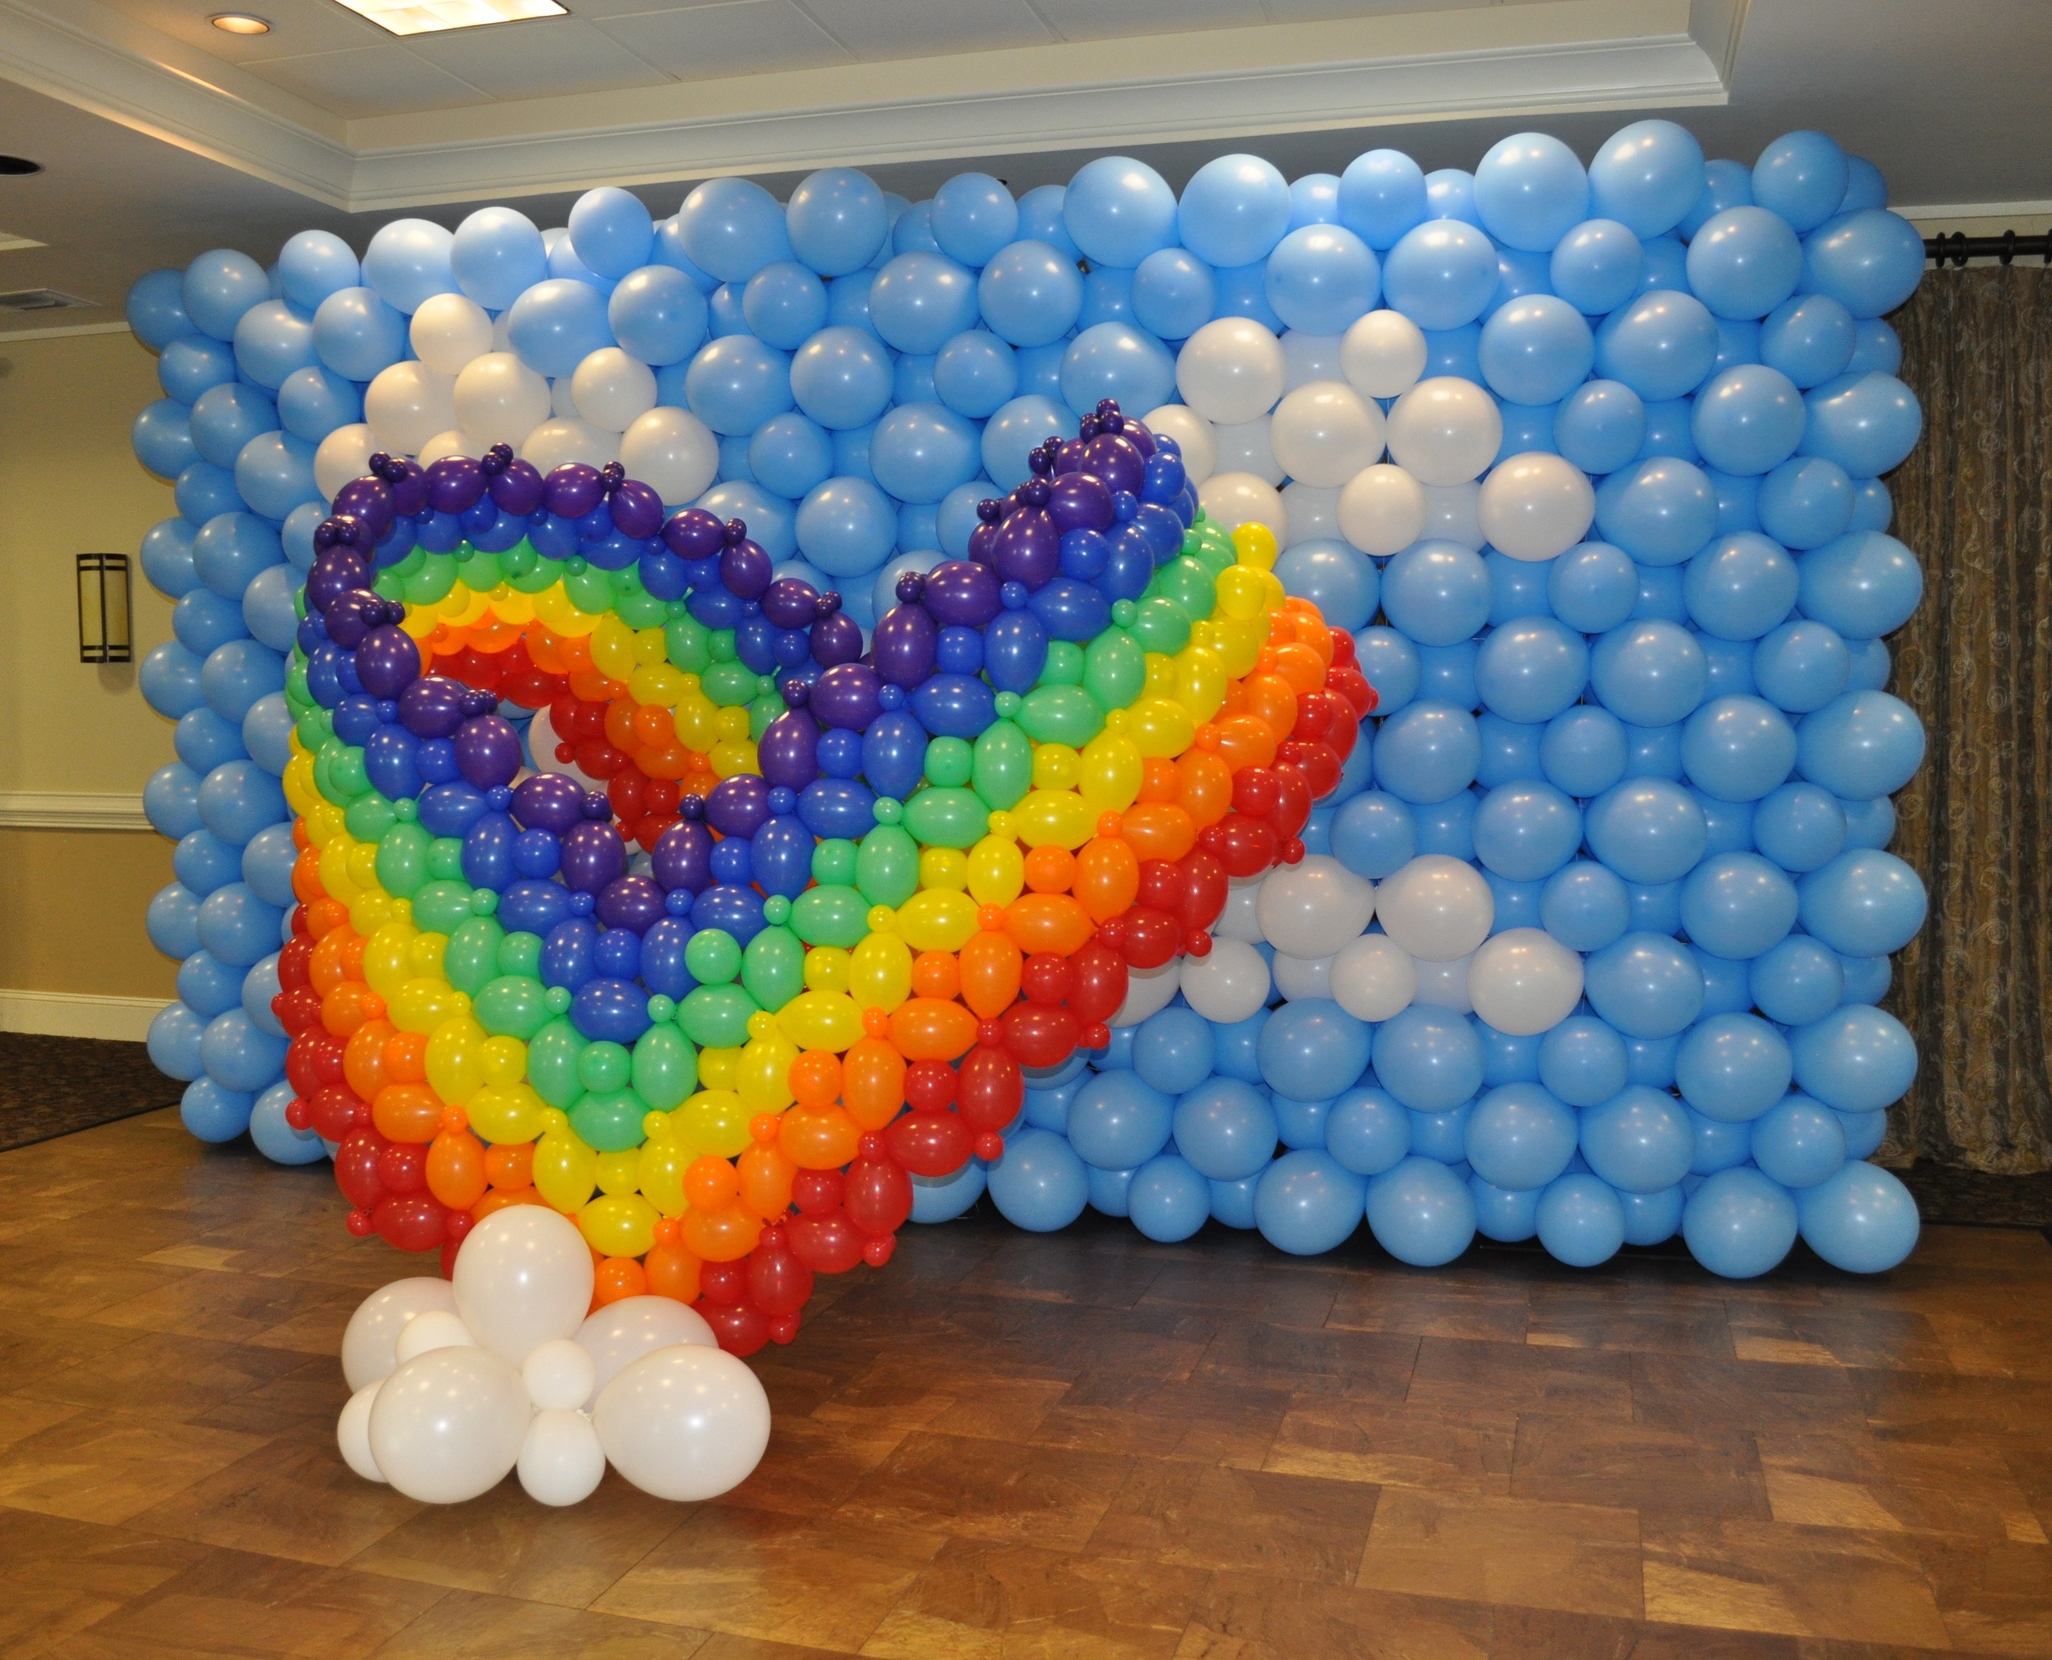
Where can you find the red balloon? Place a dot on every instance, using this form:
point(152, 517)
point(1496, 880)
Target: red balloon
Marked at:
point(1151, 937)
point(815, 1192)
point(930, 1143)
point(1317, 762)
point(1101, 981)
point(295, 962)
point(878, 1248)
point(1038, 1036)
point(879, 1196)
point(993, 1090)
point(742, 1328)
point(448, 1263)
point(334, 1111)
point(929, 1085)
point(1159, 885)
point(356, 1168)
point(724, 1283)
point(1352, 685)
point(829, 1244)
point(1293, 804)
point(297, 1011)
point(1254, 791)
point(1047, 977)
point(1245, 846)
point(412, 1221)
point(402, 1167)
point(1203, 898)
point(778, 1283)
point(783, 1328)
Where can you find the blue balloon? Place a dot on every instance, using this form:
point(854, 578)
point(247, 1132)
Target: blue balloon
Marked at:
point(1173, 1052)
point(1226, 1128)
point(207, 987)
point(1010, 435)
point(1737, 749)
point(1314, 200)
point(943, 1198)
point(169, 677)
point(1381, 196)
point(203, 620)
point(1600, 427)
point(842, 378)
point(1798, 981)
point(1593, 587)
point(1748, 420)
point(732, 228)
point(218, 287)
point(1649, 673)
point(1118, 211)
point(1342, 582)
point(837, 221)
point(1744, 262)
point(1040, 1184)
point(155, 309)
point(498, 254)
point(1536, 350)
point(658, 315)
point(1584, 751)
point(555, 325)
point(1646, 985)
point(973, 217)
point(1519, 1137)
point(266, 865)
point(1802, 176)
point(1583, 1061)
point(736, 383)
point(238, 799)
point(166, 556)
point(274, 473)
point(921, 451)
point(315, 264)
point(1864, 1132)
point(237, 1055)
point(1390, 662)
point(1857, 1058)
point(790, 454)
point(1440, 274)
point(231, 550)
point(277, 1140)
point(1647, 175)
point(1864, 903)
point(228, 416)
point(1421, 1213)
point(1809, 338)
point(1798, 1142)
point(975, 374)
point(1596, 265)
point(1802, 666)
point(1118, 1121)
point(1869, 262)
point(1311, 1051)
point(272, 340)
point(206, 741)
point(356, 332)
point(784, 304)
point(236, 674)
point(1374, 834)
point(1306, 1203)
point(1737, 905)
point(1861, 1219)
point(1437, 592)
point(1580, 1220)
point(1167, 1199)
point(1118, 361)
point(920, 300)
point(1660, 511)
point(407, 263)
point(1320, 279)
point(1806, 502)
point(610, 232)
point(1661, 345)
point(1861, 745)
point(1864, 585)
point(1367, 1131)
point(1233, 211)
point(211, 1113)
point(1429, 1059)
point(1174, 293)
point(314, 401)
point(236, 927)
point(1503, 1215)
point(1450, 194)
point(1532, 669)
point(1867, 423)
point(1869, 823)
point(1442, 1136)
point(1525, 831)
point(1732, 1067)
point(1530, 191)
point(1427, 753)
point(1300, 1123)
point(1739, 1223)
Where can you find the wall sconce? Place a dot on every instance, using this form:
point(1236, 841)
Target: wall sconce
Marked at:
point(103, 617)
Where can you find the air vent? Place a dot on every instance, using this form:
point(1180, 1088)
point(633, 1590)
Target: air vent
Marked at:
point(40, 299)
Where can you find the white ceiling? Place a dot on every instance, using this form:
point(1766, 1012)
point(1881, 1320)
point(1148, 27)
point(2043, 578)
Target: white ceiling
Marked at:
point(1947, 100)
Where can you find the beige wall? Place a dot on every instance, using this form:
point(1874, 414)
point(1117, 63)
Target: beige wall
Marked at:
point(71, 902)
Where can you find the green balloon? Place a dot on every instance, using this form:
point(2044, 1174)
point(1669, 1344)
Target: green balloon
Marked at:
point(589, 590)
point(369, 816)
point(604, 1065)
point(730, 685)
point(511, 1005)
point(1003, 769)
point(716, 1017)
point(834, 862)
point(478, 569)
point(685, 640)
point(520, 953)
point(773, 968)
point(1160, 624)
point(432, 583)
point(665, 1067)
point(1064, 666)
point(830, 914)
point(713, 956)
point(346, 779)
point(552, 1062)
point(1114, 669)
point(473, 954)
point(638, 608)
point(441, 907)
point(403, 859)
point(887, 866)
point(532, 574)
point(415, 561)
point(1061, 715)
point(1190, 585)
point(948, 761)
point(1210, 546)
point(764, 709)
point(610, 1121)
point(445, 859)
point(942, 817)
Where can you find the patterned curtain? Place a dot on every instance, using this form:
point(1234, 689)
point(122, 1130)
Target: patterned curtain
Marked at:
point(1975, 503)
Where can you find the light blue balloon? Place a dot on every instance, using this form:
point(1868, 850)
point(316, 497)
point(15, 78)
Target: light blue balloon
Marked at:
point(973, 216)
point(1806, 502)
point(1596, 265)
point(1532, 669)
point(218, 287)
point(1374, 835)
point(1592, 587)
point(1861, 745)
point(266, 865)
point(161, 436)
point(231, 550)
point(846, 526)
point(921, 451)
point(1871, 665)
point(1503, 1215)
point(1381, 196)
point(1733, 1067)
point(155, 309)
point(1861, 1219)
point(658, 315)
point(228, 416)
point(1744, 262)
point(1341, 581)
point(1312, 1050)
point(314, 401)
point(1869, 823)
point(238, 799)
point(943, 1198)
point(259, 987)
point(1427, 753)
point(1802, 666)
point(211, 1113)
point(1118, 1121)
point(203, 620)
point(555, 325)
point(1174, 294)
point(1864, 584)
point(1446, 674)
point(237, 673)
point(205, 741)
point(1040, 1184)
point(1117, 361)
point(1867, 423)
point(1368, 1131)
point(1864, 1132)
point(1536, 350)
point(1584, 751)
point(1519, 1136)
point(1801, 827)
point(236, 927)
point(1305, 1203)
point(784, 304)
point(1450, 194)
point(1233, 211)
point(498, 254)
point(841, 378)
point(1390, 662)
point(1526, 831)
point(1737, 749)
point(1660, 510)
point(1580, 1220)
point(1314, 200)
point(1600, 427)
point(1232, 1203)
point(407, 263)
point(171, 800)
point(837, 221)
point(1737, 905)
point(1869, 261)
point(1109, 1190)
point(1530, 191)
point(920, 300)
point(1510, 751)
point(1661, 345)
point(273, 339)
point(277, 1140)
point(1864, 903)
point(1798, 1142)
point(736, 383)
point(1748, 420)
point(1649, 673)
point(1226, 1128)
point(1015, 431)
point(790, 454)
point(169, 679)
point(1802, 176)
point(1739, 1223)
point(611, 232)
point(1430, 1059)
point(1798, 981)
point(975, 374)
point(1421, 1213)
point(207, 987)
point(1647, 175)
point(1167, 1199)
point(1321, 279)
point(357, 332)
point(732, 228)
point(1645, 985)
point(1300, 1123)
point(1440, 274)
point(1118, 211)
point(1809, 338)
point(174, 1040)
point(1437, 592)
point(237, 1056)
point(1173, 1051)
point(274, 473)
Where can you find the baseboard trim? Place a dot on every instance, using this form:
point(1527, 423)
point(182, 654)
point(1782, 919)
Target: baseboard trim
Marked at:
point(78, 1014)
point(71, 810)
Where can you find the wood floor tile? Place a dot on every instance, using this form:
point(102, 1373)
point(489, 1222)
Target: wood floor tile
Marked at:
point(1250, 1617)
point(1496, 1383)
point(1372, 1365)
point(1285, 1297)
point(1033, 1273)
point(1575, 1558)
point(1553, 1634)
point(1201, 1516)
point(467, 1625)
point(1204, 1421)
point(1948, 1408)
point(73, 1285)
point(1414, 1304)
point(978, 1489)
point(980, 1601)
point(1876, 1336)
point(231, 1308)
point(59, 1577)
point(1580, 1461)
point(1689, 1395)
point(1404, 1446)
point(1994, 1598)
point(1650, 1323)
point(170, 1377)
point(97, 1466)
point(813, 1464)
point(821, 1584)
point(1896, 1486)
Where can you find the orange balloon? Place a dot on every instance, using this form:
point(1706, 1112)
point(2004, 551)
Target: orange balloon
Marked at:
point(488, 634)
point(672, 1272)
point(575, 651)
point(1301, 668)
point(1107, 877)
point(1274, 700)
point(325, 968)
point(306, 878)
point(815, 1078)
point(1158, 779)
point(620, 731)
point(711, 1184)
point(456, 1169)
point(1050, 869)
point(873, 1082)
point(511, 1165)
point(500, 1198)
point(1245, 741)
point(653, 725)
point(766, 1175)
point(363, 1059)
point(990, 974)
point(936, 974)
point(1049, 922)
point(928, 1029)
point(670, 760)
point(721, 1235)
point(407, 1112)
point(819, 1138)
point(348, 1006)
point(1206, 787)
point(545, 650)
point(324, 916)
point(406, 1058)
point(1159, 830)
point(618, 1277)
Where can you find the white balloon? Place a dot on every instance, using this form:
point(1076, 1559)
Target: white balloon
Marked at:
point(1524, 981)
point(1383, 354)
point(452, 442)
point(433, 1328)
point(1228, 984)
point(1326, 432)
point(1241, 918)
point(1312, 908)
point(619, 1334)
point(563, 398)
point(684, 1423)
point(1311, 357)
point(565, 438)
point(1445, 430)
point(523, 1276)
point(1313, 513)
point(1192, 432)
point(407, 404)
point(560, 1374)
point(1300, 977)
point(1244, 447)
point(1148, 991)
point(1232, 369)
point(673, 452)
point(1535, 506)
point(448, 1425)
point(561, 1461)
point(1436, 907)
point(1382, 509)
point(343, 455)
point(612, 390)
point(1445, 985)
point(500, 399)
point(448, 331)
point(1453, 514)
point(370, 1341)
point(1236, 499)
point(502, 331)
point(352, 1433)
point(1374, 978)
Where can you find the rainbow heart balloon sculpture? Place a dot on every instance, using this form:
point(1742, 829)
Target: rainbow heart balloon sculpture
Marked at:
point(764, 929)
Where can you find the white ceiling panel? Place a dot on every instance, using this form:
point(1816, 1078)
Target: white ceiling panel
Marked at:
point(1094, 20)
point(887, 29)
point(703, 42)
point(297, 26)
point(369, 80)
point(1326, 11)
point(536, 60)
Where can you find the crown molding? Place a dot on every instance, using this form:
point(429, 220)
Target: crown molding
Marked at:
point(71, 809)
point(1547, 57)
point(79, 1014)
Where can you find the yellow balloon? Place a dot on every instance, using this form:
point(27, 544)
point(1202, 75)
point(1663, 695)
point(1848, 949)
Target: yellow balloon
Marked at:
point(371, 910)
point(826, 968)
point(559, 615)
point(733, 756)
point(619, 1225)
point(612, 647)
point(997, 870)
point(363, 867)
point(503, 1060)
point(1255, 544)
point(565, 1171)
point(300, 791)
point(455, 1062)
point(1160, 728)
point(385, 965)
point(940, 919)
point(656, 683)
point(696, 718)
point(421, 1004)
point(1112, 770)
point(424, 955)
point(504, 1114)
point(1052, 818)
point(880, 972)
point(620, 1172)
point(1161, 675)
point(1240, 593)
point(944, 867)
point(716, 1067)
point(713, 1121)
point(1238, 643)
point(1200, 682)
point(663, 1163)
point(324, 822)
point(761, 1080)
point(821, 1020)
point(334, 869)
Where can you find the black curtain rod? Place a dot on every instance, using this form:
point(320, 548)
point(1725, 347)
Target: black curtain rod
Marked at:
point(1958, 248)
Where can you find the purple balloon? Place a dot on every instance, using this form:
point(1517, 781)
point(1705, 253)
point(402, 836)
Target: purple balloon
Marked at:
point(387, 662)
point(959, 592)
point(409, 490)
point(349, 617)
point(1138, 436)
point(791, 602)
point(789, 751)
point(633, 902)
point(573, 490)
point(637, 510)
point(549, 801)
point(456, 484)
point(432, 707)
point(1122, 467)
point(745, 569)
point(983, 544)
point(738, 806)
point(1069, 456)
point(368, 500)
point(903, 645)
point(518, 490)
point(487, 751)
point(1076, 501)
point(593, 856)
point(694, 534)
point(836, 640)
point(683, 857)
point(847, 696)
point(333, 575)
point(1028, 550)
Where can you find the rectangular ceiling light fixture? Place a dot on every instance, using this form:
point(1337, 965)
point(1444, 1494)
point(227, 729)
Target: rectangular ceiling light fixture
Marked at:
point(427, 17)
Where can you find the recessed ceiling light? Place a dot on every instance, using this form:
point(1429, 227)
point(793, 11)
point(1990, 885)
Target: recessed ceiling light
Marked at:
point(239, 23)
point(19, 164)
point(426, 17)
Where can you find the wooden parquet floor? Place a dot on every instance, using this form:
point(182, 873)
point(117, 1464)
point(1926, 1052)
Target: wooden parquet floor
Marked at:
point(1072, 1446)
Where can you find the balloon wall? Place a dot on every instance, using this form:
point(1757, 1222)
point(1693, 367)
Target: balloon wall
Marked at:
point(1299, 704)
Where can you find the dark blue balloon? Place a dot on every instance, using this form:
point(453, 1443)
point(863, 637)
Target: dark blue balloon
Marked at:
point(662, 958)
point(449, 809)
point(610, 1011)
point(533, 906)
point(1084, 553)
point(893, 754)
point(1071, 610)
point(734, 910)
point(488, 852)
point(1015, 650)
point(617, 955)
point(954, 706)
point(388, 761)
point(566, 957)
point(1130, 565)
point(781, 852)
